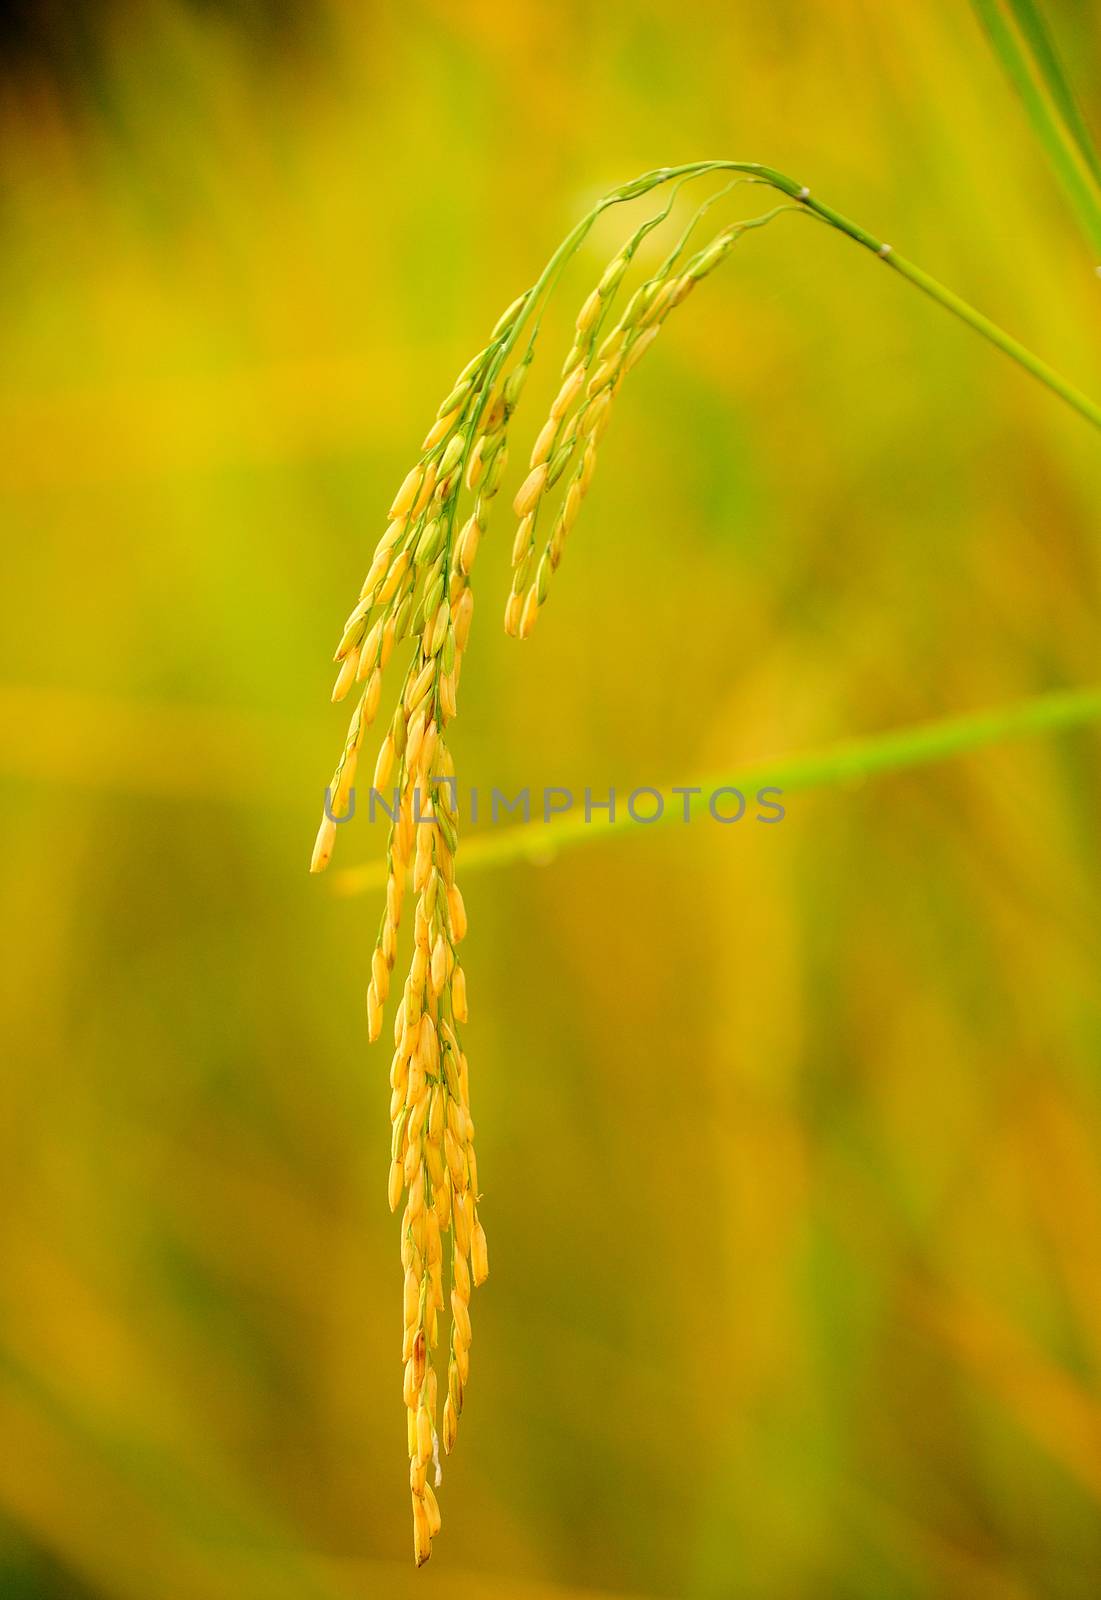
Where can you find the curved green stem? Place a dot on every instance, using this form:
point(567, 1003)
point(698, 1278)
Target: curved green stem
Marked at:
point(959, 308)
point(982, 325)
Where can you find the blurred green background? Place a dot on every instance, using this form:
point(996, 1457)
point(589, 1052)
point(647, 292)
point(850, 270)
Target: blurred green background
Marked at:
point(788, 1136)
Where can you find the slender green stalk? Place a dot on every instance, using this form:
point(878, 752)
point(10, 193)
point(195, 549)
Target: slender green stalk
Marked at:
point(851, 761)
point(1009, 346)
point(952, 302)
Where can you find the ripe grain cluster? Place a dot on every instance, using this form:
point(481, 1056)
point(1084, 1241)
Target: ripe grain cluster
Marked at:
point(418, 593)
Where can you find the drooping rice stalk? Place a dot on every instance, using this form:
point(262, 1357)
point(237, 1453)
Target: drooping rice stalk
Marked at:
point(418, 588)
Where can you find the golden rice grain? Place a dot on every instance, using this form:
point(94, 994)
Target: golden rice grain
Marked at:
point(527, 496)
point(323, 845)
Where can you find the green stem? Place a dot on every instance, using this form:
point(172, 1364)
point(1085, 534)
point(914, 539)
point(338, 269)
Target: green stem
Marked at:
point(848, 762)
point(958, 307)
point(990, 331)
point(1009, 346)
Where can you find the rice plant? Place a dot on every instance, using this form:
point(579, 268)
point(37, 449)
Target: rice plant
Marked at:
point(418, 588)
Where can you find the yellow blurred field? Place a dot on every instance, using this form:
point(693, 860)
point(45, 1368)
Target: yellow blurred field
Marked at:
point(789, 1137)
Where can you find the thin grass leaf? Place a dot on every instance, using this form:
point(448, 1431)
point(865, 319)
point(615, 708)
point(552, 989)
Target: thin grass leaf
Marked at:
point(851, 761)
point(1020, 42)
point(1038, 37)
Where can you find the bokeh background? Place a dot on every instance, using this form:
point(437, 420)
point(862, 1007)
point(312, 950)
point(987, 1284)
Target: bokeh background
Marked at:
point(788, 1136)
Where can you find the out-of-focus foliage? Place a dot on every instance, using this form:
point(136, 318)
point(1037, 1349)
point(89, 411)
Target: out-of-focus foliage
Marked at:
point(788, 1136)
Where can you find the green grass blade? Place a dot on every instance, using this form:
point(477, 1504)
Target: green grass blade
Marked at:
point(1037, 36)
point(851, 761)
point(1041, 85)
